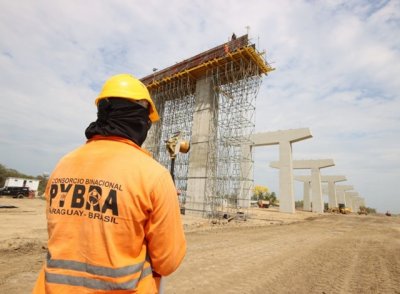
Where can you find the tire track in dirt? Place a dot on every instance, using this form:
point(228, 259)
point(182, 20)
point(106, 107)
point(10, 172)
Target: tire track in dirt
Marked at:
point(268, 254)
point(320, 256)
point(332, 254)
point(324, 254)
point(21, 267)
point(378, 264)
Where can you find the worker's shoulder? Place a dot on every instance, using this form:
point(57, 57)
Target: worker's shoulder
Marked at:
point(134, 156)
point(115, 155)
point(138, 161)
point(110, 151)
point(145, 159)
point(113, 150)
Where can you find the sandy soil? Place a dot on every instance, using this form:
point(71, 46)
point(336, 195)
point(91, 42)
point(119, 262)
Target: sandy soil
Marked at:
point(270, 252)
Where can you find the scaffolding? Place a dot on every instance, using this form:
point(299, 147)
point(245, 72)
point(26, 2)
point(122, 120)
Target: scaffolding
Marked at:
point(174, 101)
point(234, 112)
point(234, 70)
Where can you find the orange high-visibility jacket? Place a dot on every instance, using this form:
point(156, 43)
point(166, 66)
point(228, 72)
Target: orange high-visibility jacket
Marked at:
point(113, 218)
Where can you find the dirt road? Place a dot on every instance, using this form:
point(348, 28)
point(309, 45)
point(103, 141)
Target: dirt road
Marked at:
point(333, 254)
point(270, 253)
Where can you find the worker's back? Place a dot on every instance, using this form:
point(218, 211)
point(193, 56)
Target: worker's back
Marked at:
point(109, 210)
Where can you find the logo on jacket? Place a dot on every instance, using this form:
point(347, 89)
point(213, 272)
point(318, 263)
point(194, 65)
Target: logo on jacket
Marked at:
point(76, 198)
point(94, 195)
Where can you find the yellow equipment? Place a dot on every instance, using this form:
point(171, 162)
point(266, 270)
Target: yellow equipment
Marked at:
point(363, 210)
point(129, 87)
point(176, 145)
point(343, 209)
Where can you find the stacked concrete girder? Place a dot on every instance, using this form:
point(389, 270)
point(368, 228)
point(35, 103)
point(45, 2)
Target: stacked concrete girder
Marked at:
point(340, 193)
point(284, 139)
point(331, 179)
point(349, 199)
point(316, 190)
point(306, 191)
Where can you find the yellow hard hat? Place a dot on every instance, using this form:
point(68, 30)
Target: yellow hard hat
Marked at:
point(129, 87)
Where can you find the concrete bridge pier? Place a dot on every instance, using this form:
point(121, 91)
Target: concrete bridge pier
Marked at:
point(340, 193)
point(332, 180)
point(349, 196)
point(284, 139)
point(316, 189)
point(203, 117)
point(306, 191)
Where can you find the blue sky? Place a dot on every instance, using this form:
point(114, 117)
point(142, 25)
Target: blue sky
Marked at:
point(337, 73)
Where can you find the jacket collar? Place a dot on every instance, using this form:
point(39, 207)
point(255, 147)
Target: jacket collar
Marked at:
point(119, 139)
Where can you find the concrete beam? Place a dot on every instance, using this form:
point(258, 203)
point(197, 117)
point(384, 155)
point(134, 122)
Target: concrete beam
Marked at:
point(302, 178)
point(306, 164)
point(344, 187)
point(315, 166)
point(333, 178)
point(275, 138)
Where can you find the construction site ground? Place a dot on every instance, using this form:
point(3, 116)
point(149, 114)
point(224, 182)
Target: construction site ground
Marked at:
point(269, 252)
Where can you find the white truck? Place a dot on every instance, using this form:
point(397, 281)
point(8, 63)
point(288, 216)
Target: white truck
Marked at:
point(32, 184)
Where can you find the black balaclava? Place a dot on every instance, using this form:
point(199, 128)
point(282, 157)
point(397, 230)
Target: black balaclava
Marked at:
point(120, 117)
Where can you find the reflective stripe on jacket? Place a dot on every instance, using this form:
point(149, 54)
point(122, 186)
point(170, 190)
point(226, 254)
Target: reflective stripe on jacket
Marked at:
point(113, 218)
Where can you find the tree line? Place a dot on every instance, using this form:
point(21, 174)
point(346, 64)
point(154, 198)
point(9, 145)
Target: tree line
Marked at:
point(262, 193)
point(6, 172)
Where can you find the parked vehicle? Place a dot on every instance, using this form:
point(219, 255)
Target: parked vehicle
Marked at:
point(363, 210)
point(16, 192)
point(263, 203)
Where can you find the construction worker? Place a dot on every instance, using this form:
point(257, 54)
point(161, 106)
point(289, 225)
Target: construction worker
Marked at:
point(113, 214)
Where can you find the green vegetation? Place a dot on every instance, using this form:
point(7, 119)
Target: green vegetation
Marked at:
point(368, 209)
point(262, 193)
point(8, 172)
point(298, 204)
